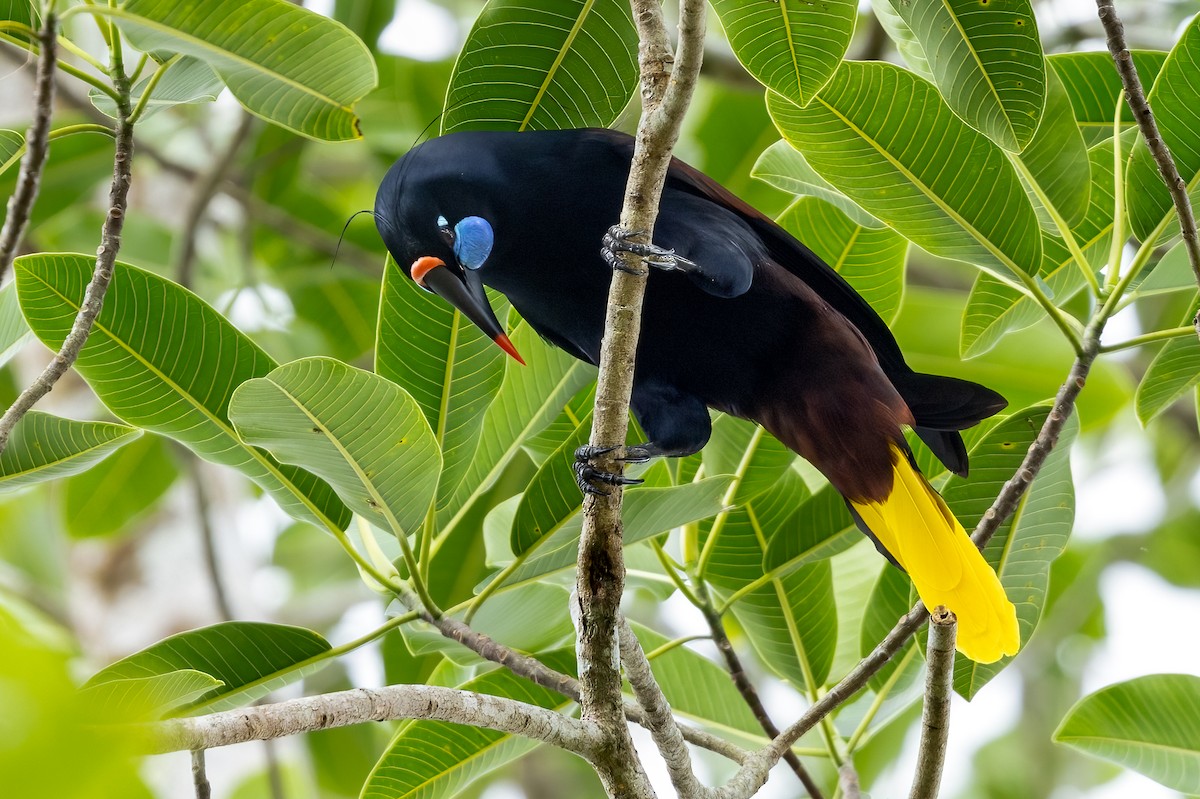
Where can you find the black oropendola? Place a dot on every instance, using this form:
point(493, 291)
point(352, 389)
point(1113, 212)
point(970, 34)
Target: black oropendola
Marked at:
point(746, 320)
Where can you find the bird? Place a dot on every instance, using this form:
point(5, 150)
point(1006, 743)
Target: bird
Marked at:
point(739, 316)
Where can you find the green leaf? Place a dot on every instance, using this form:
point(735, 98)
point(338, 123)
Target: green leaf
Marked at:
point(1057, 158)
point(544, 64)
point(552, 497)
point(188, 80)
point(161, 358)
point(1172, 373)
point(1093, 84)
point(250, 659)
point(791, 619)
point(788, 46)
point(995, 308)
point(14, 332)
point(822, 528)
point(1025, 546)
point(444, 361)
point(1173, 272)
point(987, 61)
point(1175, 98)
point(646, 513)
point(286, 64)
point(781, 165)
point(872, 261)
point(753, 456)
point(432, 759)
point(902, 36)
point(45, 447)
point(891, 598)
point(530, 397)
point(885, 137)
point(106, 498)
point(1149, 724)
point(148, 698)
point(360, 432)
point(12, 147)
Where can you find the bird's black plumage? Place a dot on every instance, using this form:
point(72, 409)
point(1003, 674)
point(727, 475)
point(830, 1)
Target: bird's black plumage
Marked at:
point(763, 330)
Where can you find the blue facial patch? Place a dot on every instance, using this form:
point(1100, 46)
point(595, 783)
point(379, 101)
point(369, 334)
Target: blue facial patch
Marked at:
point(473, 241)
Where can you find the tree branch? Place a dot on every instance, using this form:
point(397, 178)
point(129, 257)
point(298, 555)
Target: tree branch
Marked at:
point(848, 781)
point(1135, 95)
point(37, 146)
point(106, 256)
point(935, 717)
point(600, 579)
point(750, 693)
point(200, 776)
point(659, 721)
point(343, 708)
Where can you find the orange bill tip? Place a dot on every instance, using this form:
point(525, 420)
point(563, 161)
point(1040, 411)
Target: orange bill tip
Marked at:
point(503, 342)
point(422, 266)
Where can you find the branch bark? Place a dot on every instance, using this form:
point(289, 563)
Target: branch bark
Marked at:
point(600, 581)
point(1135, 95)
point(200, 776)
point(935, 717)
point(106, 256)
point(343, 708)
point(659, 721)
point(37, 146)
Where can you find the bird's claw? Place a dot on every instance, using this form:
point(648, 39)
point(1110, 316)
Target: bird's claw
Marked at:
point(587, 475)
point(617, 240)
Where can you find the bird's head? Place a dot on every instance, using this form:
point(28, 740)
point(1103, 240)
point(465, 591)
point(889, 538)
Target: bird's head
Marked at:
point(426, 228)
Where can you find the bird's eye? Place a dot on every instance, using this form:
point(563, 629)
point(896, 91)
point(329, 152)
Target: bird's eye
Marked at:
point(445, 232)
point(473, 241)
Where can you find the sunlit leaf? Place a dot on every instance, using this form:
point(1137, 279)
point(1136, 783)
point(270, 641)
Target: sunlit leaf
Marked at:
point(987, 61)
point(284, 63)
point(161, 358)
point(14, 331)
point(148, 697)
point(45, 447)
point(885, 136)
point(1172, 373)
point(360, 432)
point(782, 166)
point(872, 261)
point(1173, 272)
point(1149, 724)
point(12, 147)
point(1175, 98)
point(891, 597)
point(1058, 159)
point(1093, 85)
point(444, 361)
point(544, 64)
point(789, 47)
point(250, 659)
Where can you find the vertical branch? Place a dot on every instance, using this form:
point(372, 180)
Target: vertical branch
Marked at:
point(601, 574)
point(37, 146)
point(200, 776)
point(935, 717)
point(1135, 95)
point(106, 256)
point(750, 694)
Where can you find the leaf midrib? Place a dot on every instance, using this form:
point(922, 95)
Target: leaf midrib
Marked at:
point(558, 59)
point(4, 478)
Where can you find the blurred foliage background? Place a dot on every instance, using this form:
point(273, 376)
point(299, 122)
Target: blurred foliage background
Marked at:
point(248, 215)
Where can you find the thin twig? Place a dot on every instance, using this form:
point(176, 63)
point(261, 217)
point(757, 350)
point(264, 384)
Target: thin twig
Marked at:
point(935, 717)
point(37, 146)
point(207, 187)
point(200, 776)
point(659, 721)
point(207, 539)
point(343, 708)
point(600, 578)
point(1135, 95)
point(106, 256)
point(750, 694)
point(848, 781)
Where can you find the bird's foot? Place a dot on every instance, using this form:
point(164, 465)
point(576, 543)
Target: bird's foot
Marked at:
point(616, 241)
point(587, 476)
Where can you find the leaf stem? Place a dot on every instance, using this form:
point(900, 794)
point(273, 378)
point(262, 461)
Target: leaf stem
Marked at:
point(1149, 338)
point(1064, 230)
point(860, 732)
point(714, 533)
point(151, 84)
point(672, 574)
point(1113, 277)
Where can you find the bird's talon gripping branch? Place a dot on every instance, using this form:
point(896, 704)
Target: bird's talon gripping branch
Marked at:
point(617, 240)
point(587, 475)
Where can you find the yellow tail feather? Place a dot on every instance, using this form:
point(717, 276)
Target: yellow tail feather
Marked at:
point(920, 532)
